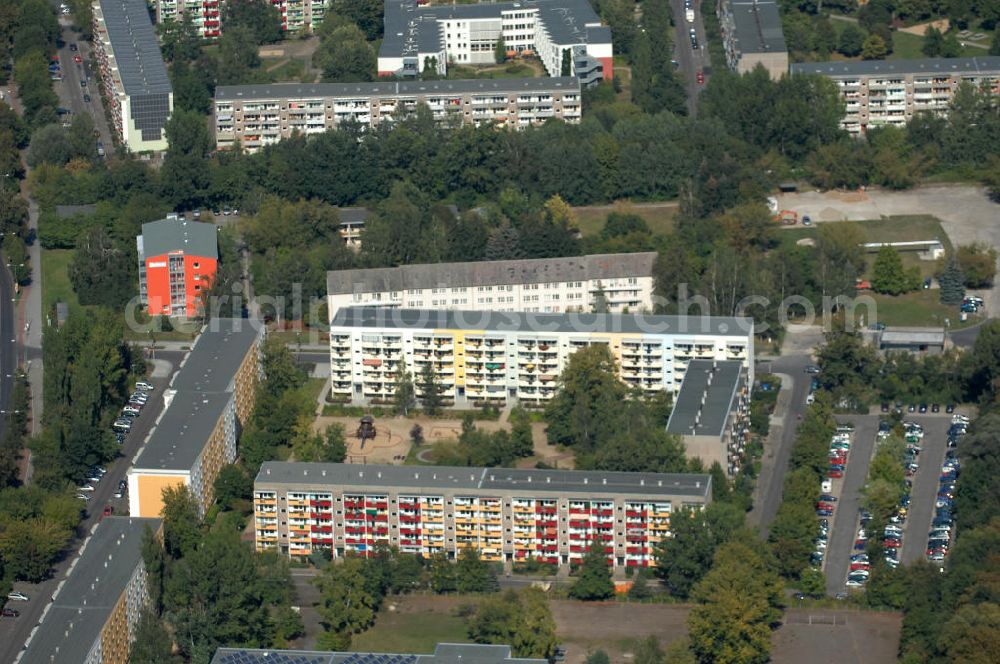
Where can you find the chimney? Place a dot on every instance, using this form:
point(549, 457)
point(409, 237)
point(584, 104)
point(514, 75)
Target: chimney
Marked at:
point(323, 472)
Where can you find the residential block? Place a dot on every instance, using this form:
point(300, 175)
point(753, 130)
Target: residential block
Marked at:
point(131, 68)
point(567, 35)
point(259, 115)
point(505, 514)
point(752, 35)
point(877, 93)
point(205, 15)
point(502, 358)
point(94, 613)
point(177, 263)
point(207, 403)
point(619, 282)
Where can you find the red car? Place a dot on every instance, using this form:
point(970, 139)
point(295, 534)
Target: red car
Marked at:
point(10, 613)
point(77, 59)
point(860, 566)
point(838, 461)
point(892, 543)
point(701, 78)
point(108, 511)
point(835, 473)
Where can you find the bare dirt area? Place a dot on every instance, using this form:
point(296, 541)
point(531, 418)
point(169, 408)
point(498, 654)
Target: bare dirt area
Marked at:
point(392, 442)
point(836, 637)
point(614, 627)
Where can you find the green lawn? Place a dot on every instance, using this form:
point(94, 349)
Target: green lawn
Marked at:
point(660, 219)
point(416, 632)
point(508, 70)
point(901, 228)
point(917, 309)
point(56, 286)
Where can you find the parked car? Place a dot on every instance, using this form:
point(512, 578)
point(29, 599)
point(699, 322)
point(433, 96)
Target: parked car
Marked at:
point(108, 511)
point(812, 369)
point(86, 98)
point(17, 596)
point(10, 613)
point(143, 385)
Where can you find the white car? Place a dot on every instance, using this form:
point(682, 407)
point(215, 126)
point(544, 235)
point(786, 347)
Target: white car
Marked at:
point(131, 409)
point(19, 596)
point(854, 582)
point(82, 496)
point(143, 385)
point(85, 488)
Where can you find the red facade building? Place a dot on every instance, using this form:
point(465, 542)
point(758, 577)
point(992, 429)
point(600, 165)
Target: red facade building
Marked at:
point(177, 263)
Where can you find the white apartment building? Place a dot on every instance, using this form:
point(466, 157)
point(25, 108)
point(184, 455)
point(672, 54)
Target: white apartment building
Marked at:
point(296, 15)
point(205, 15)
point(890, 92)
point(421, 36)
point(542, 285)
point(494, 357)
point(259, 115)
point(135, 79)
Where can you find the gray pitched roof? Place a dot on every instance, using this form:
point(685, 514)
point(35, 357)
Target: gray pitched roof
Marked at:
point(90, 592)
point(758, 26)
point(491, 273)
point(506, 321)
point(194, 238)
point(410, 29)
point(444, 653)
point(691, 415)
point(912, 335)
point(199, 393)
point(394, 88)
point(985, 64)
point(137, 52)
point(373, 476)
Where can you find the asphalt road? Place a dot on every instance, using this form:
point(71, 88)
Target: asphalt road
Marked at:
point(691, 61)
point(69, 89)
point(925, 485)
point(15, 631)
point(845, 521)
point(8, 348)
point(775, 462)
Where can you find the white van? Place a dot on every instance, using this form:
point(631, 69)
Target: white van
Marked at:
point(689, 15)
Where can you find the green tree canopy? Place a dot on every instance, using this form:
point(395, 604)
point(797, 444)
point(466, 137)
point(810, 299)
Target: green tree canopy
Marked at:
point(594, 579)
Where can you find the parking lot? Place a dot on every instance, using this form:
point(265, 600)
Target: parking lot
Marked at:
point(844, 526)
point(925, 485)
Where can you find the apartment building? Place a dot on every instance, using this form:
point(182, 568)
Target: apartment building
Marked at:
point(444, 653)
point(505, 514)
point(296, 15)
point(481, 357)
point(752, 35)
point(177, 263)
point(564, 34)
point(258, 115)
point(712, 413)
point(622, 282)
point(205, 15)
point(132, 72)
point(95, 611)
point(890, 92)
point(206, 405)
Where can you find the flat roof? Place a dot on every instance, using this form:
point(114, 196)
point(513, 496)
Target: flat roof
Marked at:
point(912, 335)
point(444, 653)
point(137, 53)
point(194, 238)
point(90, 593)
point(985, 64)
point(394, 88)
point(372, 476)
point(491, 273)
point(706, 398)
point(508, 321)
point(198, 395)
point(411, 29)
point(757, 26)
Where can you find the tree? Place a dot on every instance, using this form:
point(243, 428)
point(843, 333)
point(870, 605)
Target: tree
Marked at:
point(950, 46)
point(49, 146)
point(839, 260)
point(812, 582)
point(16, 253)
point(598, 657)
point(952, 283)
point(259, 17)
point(972, 634)
point(851, 41)
point(430, 389)
point(639, 590)
point(536, 633)
point(522, 440)
point(874, 48)
point(345, 56)
point(500, 51)
point(933, 42)
point(473, 574)
point(648, 651)
point(442, 574)
point(978, 262)
point(152, 644)
point(101, 271)
point(685, 557)
point(594, 581)
point(889, 277)
point(237, 56)
point(233, 483)
point(27, 548)
point(582, 412)
point(181, 521)
point(504, 243)
point(404, 398)
point(738, 603)
point(154, 558)
point(995, 44)
point(346, 604)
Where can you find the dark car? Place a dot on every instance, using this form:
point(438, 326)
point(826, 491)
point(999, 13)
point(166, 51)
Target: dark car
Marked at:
point(10, 613)
point(950, 408)
point(860, 545)
point(86, 98)
point(823, 512)
point(911, 408)
point(83, 83)
point(923, 408)
point(885, 407)
point(935, 408)
point(828, 498)
point(72, 47)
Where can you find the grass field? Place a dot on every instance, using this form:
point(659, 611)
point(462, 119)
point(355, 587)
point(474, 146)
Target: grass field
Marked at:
point(508, 70)
point(887, 229)
point(659, 217)
point(917, 309)
point(56, 286)
point(411, 632)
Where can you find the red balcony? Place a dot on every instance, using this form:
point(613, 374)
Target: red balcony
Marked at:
point(353, 504)
point(545, 510)
point(635, 515)
point(322, 540)
point(579, 524)
point(322, 529)
point(321, 503)
point(581, 512)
